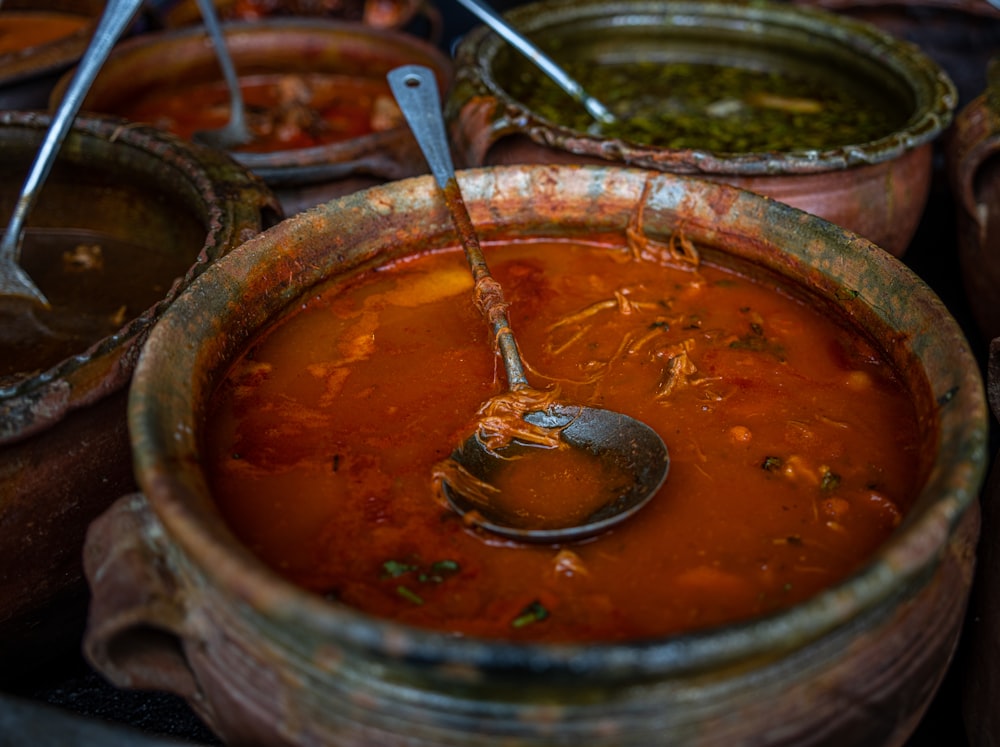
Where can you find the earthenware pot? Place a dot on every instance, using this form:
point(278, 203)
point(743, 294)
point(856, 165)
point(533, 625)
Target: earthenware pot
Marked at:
point(27, 76)
point(304, 177)
point(980, 665)
point(179, 604)
point(64, 450)
point(973, 145)
point(877, 189)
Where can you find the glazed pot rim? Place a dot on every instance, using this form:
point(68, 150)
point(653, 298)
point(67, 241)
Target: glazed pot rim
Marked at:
point(936, 95)
point(163, 427)
point(34, 402)
point(275, 165)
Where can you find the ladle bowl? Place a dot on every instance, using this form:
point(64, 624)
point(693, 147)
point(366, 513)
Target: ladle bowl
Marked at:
point(635, 451)
point(236, 131)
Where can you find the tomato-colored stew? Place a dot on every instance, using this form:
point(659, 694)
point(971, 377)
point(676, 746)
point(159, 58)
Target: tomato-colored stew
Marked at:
point(283, 111)
point(794, 445)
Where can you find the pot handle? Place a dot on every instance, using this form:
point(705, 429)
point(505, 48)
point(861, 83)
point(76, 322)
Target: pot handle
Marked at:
point(975, 139)
point(475, 125)
point(138, 621)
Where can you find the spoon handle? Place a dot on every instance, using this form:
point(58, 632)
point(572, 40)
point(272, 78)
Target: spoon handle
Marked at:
point(523, 45)
point(117, 16)
point(416, 91)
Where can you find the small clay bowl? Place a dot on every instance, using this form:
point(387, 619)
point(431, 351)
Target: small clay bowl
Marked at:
point(64, 449)
point(301, 177)
point(876, 188)
point(180, 604)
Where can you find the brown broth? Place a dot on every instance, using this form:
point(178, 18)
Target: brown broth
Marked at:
point(795, 448)
point(95, 283)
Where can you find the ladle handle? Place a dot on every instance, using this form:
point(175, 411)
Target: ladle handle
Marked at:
point(415, 88)
point(118, 14)
point(544, 63)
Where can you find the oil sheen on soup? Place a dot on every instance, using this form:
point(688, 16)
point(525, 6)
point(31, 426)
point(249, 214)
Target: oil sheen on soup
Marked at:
point(794, 445)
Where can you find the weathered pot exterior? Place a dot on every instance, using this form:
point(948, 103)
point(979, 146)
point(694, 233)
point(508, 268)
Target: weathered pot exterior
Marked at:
point(973, 145)
point(305, 177)
point(27, 78)
point(981, 643)
point(64, 450)
point(179, 604)
point(877, 189)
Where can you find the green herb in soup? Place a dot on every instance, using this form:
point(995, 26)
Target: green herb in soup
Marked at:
point(718, 108)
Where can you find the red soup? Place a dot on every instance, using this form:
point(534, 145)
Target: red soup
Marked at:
point(794, 446)
point(283, 111)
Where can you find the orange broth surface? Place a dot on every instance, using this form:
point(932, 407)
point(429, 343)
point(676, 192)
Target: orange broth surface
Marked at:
point(794, 446)
point(283, 111)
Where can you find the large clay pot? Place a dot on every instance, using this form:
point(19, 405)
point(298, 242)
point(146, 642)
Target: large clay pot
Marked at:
point(981, 644)
point(974, 171)
point(877, 189)
point(179, 604)
point(304, 177)
point(64, 450)
point(27, 76)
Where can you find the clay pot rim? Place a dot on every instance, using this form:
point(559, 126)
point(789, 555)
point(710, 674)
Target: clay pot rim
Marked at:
point(38, 61)
point(936, 94)
point(273, 164)
point(35, 402)
point(163, 425)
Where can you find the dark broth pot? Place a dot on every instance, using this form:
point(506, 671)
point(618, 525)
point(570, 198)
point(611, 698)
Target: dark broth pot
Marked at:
point(290, 69)
point(180, 604)
point(874, 182)
point(127, 218)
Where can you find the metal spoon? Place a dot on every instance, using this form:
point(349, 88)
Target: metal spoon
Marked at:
point(14, 281)
point(615, 439)
point(490, 17)
point(235, 131)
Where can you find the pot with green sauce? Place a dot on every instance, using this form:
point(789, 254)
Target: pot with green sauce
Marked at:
point(823, 112)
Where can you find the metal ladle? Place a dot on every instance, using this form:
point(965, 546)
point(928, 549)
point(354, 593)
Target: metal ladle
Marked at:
point(628, 445)
point(14, 281)
point(235, 131)
point(544, 63)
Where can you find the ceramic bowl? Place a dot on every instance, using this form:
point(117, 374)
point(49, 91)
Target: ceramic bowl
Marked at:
point(301, 177)
point(877, 189)
point(64, 448)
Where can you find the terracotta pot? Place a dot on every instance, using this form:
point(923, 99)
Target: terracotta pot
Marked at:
point(981, 645)
point(877, 189)
point(973, 145)
point(64, 451)
point(27, 77)
point(304, 177)
point(179, 604)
